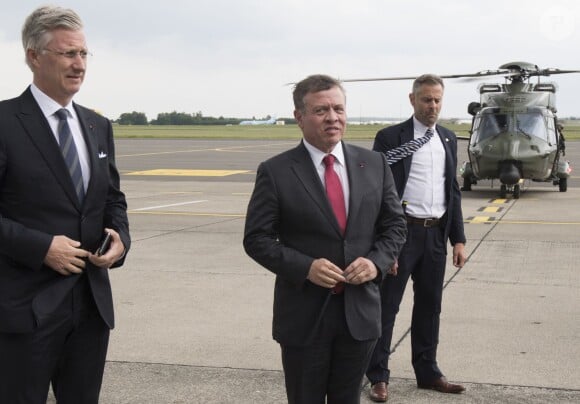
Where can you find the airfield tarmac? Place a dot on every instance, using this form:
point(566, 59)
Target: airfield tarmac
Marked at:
point(194, 312)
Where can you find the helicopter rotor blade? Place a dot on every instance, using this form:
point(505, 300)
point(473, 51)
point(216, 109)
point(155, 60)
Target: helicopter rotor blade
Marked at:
point(379, 79)
point(485, 73)
point(511, 71)
point(549, 71)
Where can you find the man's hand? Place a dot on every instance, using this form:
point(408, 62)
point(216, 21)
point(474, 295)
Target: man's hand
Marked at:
point(65, 257)
point(324, 273)
point(112, 255)
point(394, 270)
point(361, 270)
point(459, 257)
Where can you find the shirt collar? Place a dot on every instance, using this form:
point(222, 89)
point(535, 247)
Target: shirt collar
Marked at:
point(47, 105)
point(317, 155)
point(420, 127)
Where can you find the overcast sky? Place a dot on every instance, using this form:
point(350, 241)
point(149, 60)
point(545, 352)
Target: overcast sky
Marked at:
point(232, 58)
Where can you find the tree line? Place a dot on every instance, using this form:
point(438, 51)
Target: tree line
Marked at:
point(179, 118)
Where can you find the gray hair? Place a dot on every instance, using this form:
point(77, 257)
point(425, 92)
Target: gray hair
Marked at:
point(429, 79)
point(37, 29)
point(313, 84)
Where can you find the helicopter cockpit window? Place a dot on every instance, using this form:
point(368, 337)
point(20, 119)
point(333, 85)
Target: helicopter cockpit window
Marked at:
point(490, 125)
point(532, 124)
point(494, 122)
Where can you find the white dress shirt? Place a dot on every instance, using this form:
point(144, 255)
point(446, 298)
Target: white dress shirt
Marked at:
point(425, 190)
point(48, 107)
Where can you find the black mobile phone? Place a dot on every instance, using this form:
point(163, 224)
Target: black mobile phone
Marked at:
point(105, 244)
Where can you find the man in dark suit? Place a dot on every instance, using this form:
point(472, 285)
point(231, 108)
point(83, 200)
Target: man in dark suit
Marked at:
point(329, 252)
point(59, 191)
point(427, 186)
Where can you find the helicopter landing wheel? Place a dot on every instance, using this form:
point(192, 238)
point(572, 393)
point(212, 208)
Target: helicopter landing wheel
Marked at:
point(503, 191)
point(563, 184)
point(516, 191)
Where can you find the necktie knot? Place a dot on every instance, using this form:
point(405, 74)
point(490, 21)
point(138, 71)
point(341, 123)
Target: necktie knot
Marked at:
point(328, 160)
point(61, 114)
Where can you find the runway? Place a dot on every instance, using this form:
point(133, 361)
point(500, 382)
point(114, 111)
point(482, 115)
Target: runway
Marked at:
point(194, 312)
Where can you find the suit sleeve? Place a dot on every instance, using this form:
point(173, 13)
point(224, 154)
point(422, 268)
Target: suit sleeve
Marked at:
point(116, 206)
point(380, 144)
point(456, 230)
point(25, 245)
point(391, 226)
point(261, 233)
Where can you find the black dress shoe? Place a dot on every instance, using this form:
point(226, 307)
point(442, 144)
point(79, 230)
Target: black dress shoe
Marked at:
point(443, 386)
point(379, 392)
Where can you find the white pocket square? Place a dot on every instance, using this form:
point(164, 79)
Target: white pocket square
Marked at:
point(102, 155)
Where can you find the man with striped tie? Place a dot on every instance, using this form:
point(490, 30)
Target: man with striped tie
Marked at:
point(59, 191)
point(423, 158)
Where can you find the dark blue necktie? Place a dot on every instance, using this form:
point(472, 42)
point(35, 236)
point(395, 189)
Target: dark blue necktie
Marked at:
point(69, 152)
point(404, 150)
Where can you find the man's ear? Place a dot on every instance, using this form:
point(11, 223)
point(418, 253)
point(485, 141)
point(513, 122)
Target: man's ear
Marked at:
point(298, 117)
point(32, 57)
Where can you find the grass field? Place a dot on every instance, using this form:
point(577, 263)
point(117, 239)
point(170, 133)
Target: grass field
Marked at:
point(571, 132)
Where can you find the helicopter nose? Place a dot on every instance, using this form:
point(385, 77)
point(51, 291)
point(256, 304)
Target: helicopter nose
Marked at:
point(509, 173)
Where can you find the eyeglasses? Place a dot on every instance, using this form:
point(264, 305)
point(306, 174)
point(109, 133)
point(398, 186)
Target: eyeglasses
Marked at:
point(71, 54)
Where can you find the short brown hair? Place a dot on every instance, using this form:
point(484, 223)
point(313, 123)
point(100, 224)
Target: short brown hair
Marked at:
point(313, 84)
point(429, 79)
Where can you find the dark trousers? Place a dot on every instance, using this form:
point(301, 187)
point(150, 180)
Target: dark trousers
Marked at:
point(69, 350)
point(332, 367)
point(423, 259)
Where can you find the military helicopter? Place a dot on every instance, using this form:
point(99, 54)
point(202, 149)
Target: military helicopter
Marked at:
point(515, 134)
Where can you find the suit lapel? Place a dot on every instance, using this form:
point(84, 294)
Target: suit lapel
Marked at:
point(306, 173)
point(37, 128)
point(407, 134)
point(449, 171)
point(356, 186)
point(88, 126)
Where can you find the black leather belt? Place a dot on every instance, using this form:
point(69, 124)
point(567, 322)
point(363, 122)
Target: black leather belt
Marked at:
point(429, 222)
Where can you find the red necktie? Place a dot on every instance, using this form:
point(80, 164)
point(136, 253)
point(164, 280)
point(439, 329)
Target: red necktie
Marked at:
point(334, 192)
point(336, 199)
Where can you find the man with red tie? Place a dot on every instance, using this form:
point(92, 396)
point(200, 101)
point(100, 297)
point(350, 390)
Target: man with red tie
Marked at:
point(326, 219)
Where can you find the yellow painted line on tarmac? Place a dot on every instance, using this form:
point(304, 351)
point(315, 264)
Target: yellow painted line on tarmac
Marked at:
point(219, 149)
point(489, 220)
point(491, 209)
point(188, 173)
point(539, 222)
point(499, 200)
point(480, 219)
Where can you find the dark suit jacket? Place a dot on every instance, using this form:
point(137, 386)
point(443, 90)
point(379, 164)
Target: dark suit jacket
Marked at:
point(38, 201)
point(396, 135)
point(290, 223)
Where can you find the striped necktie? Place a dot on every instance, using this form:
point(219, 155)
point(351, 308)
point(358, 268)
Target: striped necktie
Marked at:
point(404, 150)
point(69, 152)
